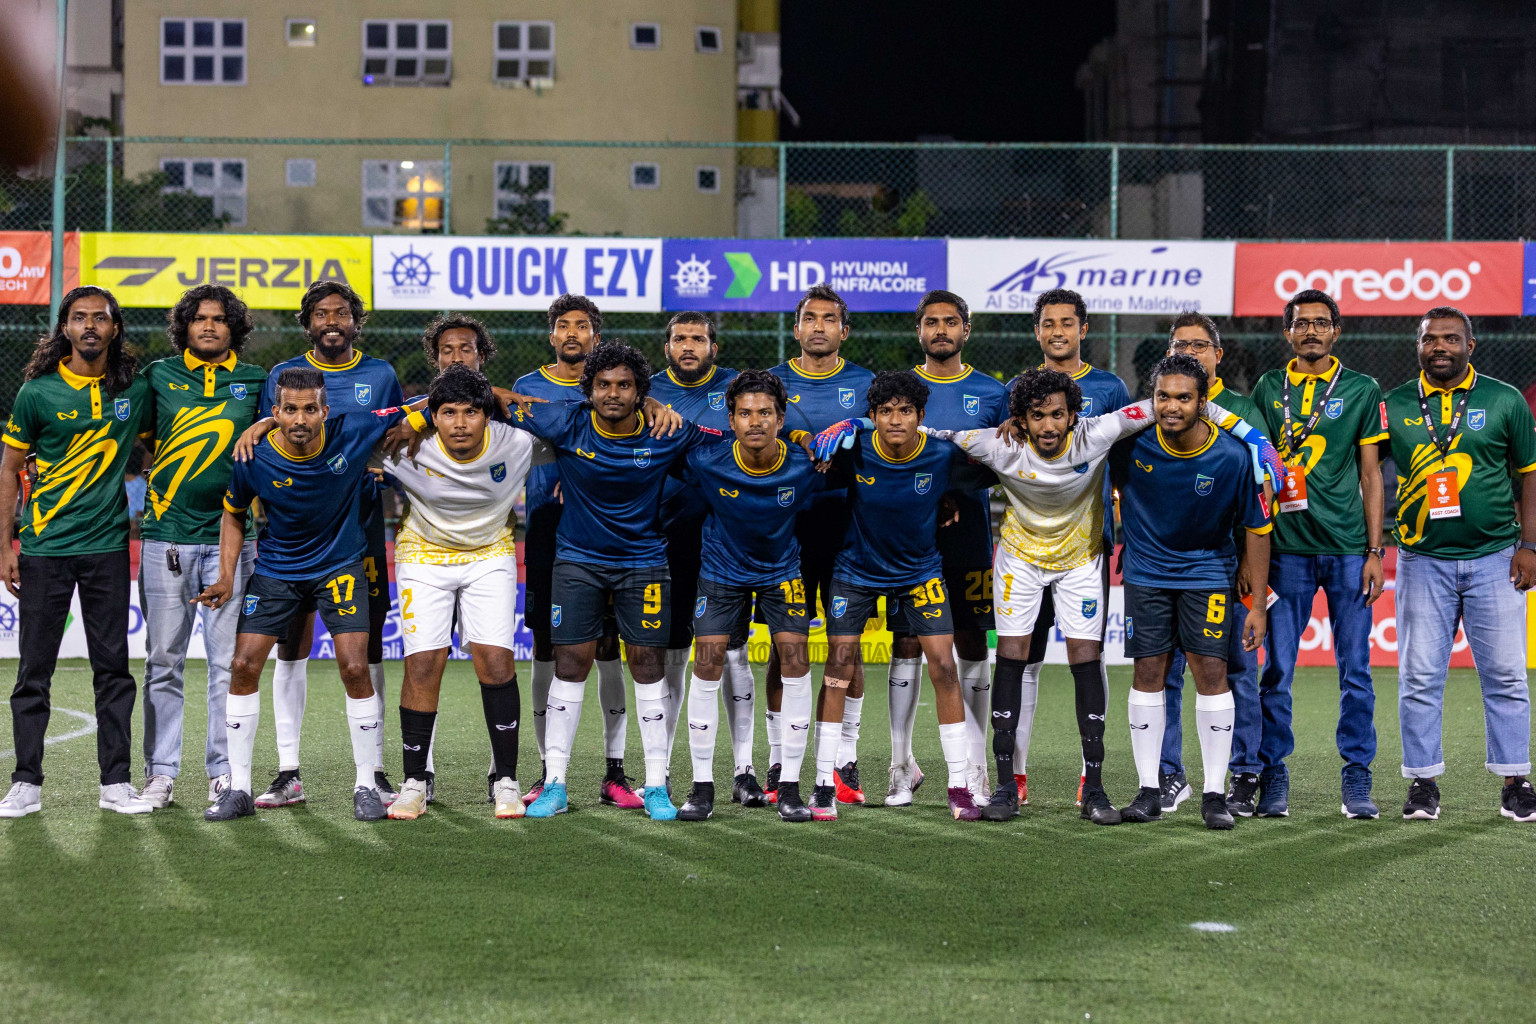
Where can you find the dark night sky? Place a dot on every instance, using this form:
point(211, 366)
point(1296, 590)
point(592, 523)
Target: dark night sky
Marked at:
point(977, 70)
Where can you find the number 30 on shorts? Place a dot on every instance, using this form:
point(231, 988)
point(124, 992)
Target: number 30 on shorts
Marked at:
point(928, 593)
point(1216, 608)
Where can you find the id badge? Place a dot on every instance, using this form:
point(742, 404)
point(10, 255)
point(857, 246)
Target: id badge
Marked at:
point(1444, 496)
point(1270, 597)
point(1293, 490)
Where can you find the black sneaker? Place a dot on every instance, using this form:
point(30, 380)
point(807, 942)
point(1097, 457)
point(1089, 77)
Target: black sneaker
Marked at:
point(771, 783)
point(1518, 801)
point(387, 791)
point(1174, 791)
point(1241, 795)
point(1423, 803)
point(1004, 804)
point(746, 791)
point(237, 803)
point(1098, 809)
point(791, 807)
point(1148, 806)
point(701, 803)
point(367, 805)
point(1213, 808)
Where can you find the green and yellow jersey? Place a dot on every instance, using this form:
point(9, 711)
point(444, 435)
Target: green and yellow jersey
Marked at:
point(199, 410)
point(82, 437)
point(1494, 443)
point(1238, 405)
point(1333, 523)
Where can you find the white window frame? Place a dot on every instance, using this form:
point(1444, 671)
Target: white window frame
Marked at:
point(698, 39)
point(523, 54)
point(219, 191)
point(521, 167)
point(634, 42)
point(392, 54)
point(304, 38)
point(218, 51)
point(634, 167)
point(398, 189)
point(699, 185)
point(306, 169)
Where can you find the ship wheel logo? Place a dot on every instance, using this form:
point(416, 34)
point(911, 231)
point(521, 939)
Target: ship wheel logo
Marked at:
point(692, 276)
point(411, 270)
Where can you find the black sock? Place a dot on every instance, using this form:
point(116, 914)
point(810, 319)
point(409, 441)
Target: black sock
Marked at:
point(503, 708)
point(1007, 683)
point(415, 740)
point(1088, 681)
point(616, 769)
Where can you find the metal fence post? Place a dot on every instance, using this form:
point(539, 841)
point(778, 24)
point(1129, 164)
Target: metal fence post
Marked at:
point(1114, 232)
point(447, 188)
point(1450, 192)
point(109, 183)
point(783, 177)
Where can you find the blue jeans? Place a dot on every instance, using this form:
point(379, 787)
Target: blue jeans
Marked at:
point(1295, 580)
point(1433, 596)
point(169, 618)
point(1243, 678)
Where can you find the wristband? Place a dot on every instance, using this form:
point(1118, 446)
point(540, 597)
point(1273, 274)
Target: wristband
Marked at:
point(1528, 545)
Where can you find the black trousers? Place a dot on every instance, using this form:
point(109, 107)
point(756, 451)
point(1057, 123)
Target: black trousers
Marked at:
point(46, 587)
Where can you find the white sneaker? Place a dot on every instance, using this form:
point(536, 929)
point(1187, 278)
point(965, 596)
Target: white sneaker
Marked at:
point(23, 799)
point(899, 794)
point(120, 797)
point(410, 801)
point(217, 786)
point(977, 782)
point(509, 800)
point(157, 791)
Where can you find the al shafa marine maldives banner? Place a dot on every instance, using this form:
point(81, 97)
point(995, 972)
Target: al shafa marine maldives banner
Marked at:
point(872, 275)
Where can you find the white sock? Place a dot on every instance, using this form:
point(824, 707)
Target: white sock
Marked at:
point(1214, 716)
point(796, 713)
point(829, 736)
point(703, 725)
point(853, 711)
point(289, 687)
point(955, 739)
point(675, 677)
point(1148, 721)
point(542, 675)
point(775, 723)
point(741, 691)
point(376, 674)
point(432, 768)
point(365, 719)
point(905, 683)
point(651, 706)
point(241, 715)
point(976, 689)
point(561, 717)
point(1029, 696)
point(611, 696)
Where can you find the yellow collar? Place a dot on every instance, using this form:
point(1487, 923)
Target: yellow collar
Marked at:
point(1216, 388)
point(1081, 372)
point(922, 442)
point(965, 371)
point(544, 370)
point(485, 444)
point(696, 384)
point(1301, 378)
point(357, 357)
point(598, 426)
point(1210, 440)
point(194, 364)
point(1467, 383)
point(736, 453)
point(274, 438)
point(75, 380)
point(793, 365)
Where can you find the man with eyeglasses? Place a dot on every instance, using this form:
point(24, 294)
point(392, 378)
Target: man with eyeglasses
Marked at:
point(1326, 421)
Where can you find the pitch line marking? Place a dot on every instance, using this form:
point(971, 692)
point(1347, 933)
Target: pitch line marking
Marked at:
point(84, 730)
point(1213, 926)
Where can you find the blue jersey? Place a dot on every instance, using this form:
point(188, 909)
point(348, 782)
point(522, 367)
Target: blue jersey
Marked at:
point(818, 401)
point(311, 504)
point(611, 483)
point(702, 402)
point(542, 479)
point(1178, 510)
point(749, 537)
point(891, 538)
point(968, 400)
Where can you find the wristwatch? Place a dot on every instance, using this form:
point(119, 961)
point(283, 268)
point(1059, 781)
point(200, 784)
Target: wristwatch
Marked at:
point(1528, 545)
point(1378, 552)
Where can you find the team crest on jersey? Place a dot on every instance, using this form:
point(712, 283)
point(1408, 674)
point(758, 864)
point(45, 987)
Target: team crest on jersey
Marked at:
point(499, 472)
point(1334, 409)
point(839, 607)
point(554, 615)
point(921, 482)
point(237, 392)
point(250, 603)
point(1130, 628)
point(1081, 467)
point(717, 400)
point(1087, 406)
point(1476, 418)
point(786, 496)
point(1203, 484)
point(699, 606)
point(338, 463)
point(845, 397)
point(972, 405)
point(1090, 607)
point(642, 457)
point(120, 406)
point(363, 392)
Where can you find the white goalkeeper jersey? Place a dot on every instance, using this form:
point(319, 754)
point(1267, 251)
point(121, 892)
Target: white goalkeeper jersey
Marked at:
point(460, 509)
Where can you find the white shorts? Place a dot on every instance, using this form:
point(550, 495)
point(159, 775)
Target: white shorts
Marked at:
point(1017, 588)
point(485, 592)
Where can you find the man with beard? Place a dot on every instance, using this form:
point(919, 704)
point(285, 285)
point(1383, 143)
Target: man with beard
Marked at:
point(332, 315)
point(79, 409)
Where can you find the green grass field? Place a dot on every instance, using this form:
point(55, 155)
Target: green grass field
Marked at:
point(883, 915)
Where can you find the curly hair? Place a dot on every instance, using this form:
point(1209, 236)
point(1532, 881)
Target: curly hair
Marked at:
point(610, 355)
point(459, 385)
point(1061, 297)
point(1035, 386)
point(889, 385)
point(236, 314)
point(569, 303)
point(1181, 366)
point(53, 349)
point(825, 294)
point(319, 290)
point(757, 382)
point(484, 346)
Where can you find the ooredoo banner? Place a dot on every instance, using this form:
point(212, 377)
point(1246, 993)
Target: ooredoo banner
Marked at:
point(871, 274)
point(1382, 278)
point(502, 272)
point(26, 266)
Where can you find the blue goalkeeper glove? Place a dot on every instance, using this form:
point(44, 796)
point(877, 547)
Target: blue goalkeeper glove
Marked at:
point(1266, 460)
point(839, 435)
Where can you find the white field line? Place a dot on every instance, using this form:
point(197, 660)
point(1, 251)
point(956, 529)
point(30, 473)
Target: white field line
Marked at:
point(85, 729)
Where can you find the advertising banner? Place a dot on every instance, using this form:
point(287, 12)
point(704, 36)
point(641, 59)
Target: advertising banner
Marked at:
point(503, 272)
point(1382, 278)
point(26, 266)
point(266, 271)
point(769, 275)
point(1003, 275)
point(1528, 281)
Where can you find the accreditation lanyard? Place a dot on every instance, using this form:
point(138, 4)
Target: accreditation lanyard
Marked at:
point(1429, 421)
point(1293, 445)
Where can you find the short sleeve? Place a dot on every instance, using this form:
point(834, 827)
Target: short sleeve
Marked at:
point(239, 494)
point(1102, 432)
point(1522, 436)
point(21, 428)
point(1120, 460)
point(1252, 513)
point(1373, 414)
point(268, 395)
point(548, 421)
point(1120, 394)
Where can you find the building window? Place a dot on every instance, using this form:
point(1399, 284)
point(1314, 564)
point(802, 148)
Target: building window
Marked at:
point(525, 184)
point(223, 181)
point(707, 179)
point(403, 194)
point(645, 35)
point(202, 51)
point(524, 52)
point(706, 39)
point(300, 31)
point(400, 52)
point(645, 175)
point(300, 173)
